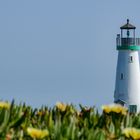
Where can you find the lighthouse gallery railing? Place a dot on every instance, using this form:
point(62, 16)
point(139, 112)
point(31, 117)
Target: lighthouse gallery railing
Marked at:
point(128, 41)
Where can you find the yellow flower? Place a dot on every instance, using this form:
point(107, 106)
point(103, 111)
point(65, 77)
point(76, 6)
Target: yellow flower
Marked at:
point(114, 108)
point(106, 108)
point(61, 106)
point(37, 133)
point(5, 105)
point(40, 113)
point(132, 133)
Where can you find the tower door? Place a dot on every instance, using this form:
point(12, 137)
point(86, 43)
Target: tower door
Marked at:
point(132, 108)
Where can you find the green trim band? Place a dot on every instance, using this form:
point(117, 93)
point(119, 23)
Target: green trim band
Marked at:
point(128, 47)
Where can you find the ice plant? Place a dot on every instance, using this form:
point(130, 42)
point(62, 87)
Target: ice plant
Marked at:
point(132, 133)
point(4, 105)
point(61, 106)
point(66, 122)
point(114, 108)
point(37, 133)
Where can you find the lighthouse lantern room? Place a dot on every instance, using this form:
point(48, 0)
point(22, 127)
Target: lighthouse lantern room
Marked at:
point(127, 86)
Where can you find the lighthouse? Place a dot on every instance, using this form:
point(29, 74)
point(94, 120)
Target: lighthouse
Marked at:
point(127, 86)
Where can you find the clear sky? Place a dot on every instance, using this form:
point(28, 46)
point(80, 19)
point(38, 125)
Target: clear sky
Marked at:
point(60, 50)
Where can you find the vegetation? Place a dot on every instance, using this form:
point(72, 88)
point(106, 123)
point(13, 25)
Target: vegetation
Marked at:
point(65, 122)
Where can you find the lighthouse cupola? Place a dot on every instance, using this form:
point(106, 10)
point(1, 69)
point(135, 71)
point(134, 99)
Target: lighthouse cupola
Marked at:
point(127, 86)
point(127, 39)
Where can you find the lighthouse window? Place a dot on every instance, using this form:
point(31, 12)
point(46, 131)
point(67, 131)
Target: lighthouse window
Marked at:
point(130, 59)
point(122, 76)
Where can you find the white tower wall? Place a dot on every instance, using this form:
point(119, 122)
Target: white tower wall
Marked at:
point(127, 87)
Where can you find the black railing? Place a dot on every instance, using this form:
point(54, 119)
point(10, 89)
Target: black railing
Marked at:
point(128, 41)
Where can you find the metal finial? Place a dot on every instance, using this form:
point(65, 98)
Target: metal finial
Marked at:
point(127, 21)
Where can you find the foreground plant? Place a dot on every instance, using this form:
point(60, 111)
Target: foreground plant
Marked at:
point(65, 122)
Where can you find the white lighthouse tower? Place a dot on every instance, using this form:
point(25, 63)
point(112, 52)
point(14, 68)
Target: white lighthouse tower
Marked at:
point(127, 87)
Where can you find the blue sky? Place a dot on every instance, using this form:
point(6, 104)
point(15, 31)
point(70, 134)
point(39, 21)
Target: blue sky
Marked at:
point(61, 50)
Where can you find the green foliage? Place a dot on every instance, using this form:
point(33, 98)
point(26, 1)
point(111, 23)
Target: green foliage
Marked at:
point(69, 124)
